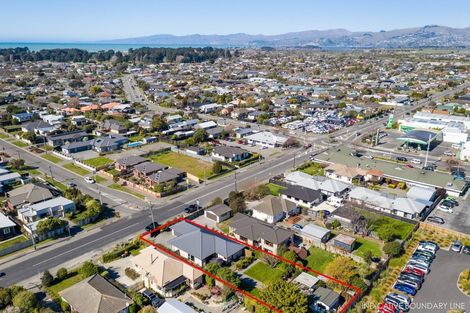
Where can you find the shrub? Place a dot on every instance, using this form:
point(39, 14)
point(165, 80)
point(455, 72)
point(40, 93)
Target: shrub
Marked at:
point(47, 279)
point(335, 224)
point(392, 248)
point(26, 301)
point(62, 274)
point(88, 269)
point(131, 273)
point(392, 186)
point(118, 251)
point(244, 263)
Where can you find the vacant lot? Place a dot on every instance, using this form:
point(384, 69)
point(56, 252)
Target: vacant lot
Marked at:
point(52, 158)
point(98, 162)
point(319, 259)
point(185, 163)
point(76, 169)
point(263, 273)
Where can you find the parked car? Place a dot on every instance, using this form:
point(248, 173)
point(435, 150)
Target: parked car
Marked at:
point(2, 274)
point(409, 282)
point(413, 264)
point(368, 156)
point(415, 161)
point(405, 288)
point(456, 246)
point(448, 203)
point(420, 256)
point(425, 253)
point(415, 271)
point(400, 301)
point(429, 168)
point(449, 153)
point(456, 146)
point(148, 294)
point(445, 208)
point(151, 227)
point(386, 308)
point(451, 201)
point(466, 250)
point(413, 277)
point(436, 220)
point(429, 243)
point(419, 260)
point(409, 166)
point(401, 159)
point(89, 180)
point(191, 208)
point(297, 227)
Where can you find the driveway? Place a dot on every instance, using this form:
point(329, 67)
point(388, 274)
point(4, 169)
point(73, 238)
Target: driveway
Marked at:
point(459, 220)
point(440, 292)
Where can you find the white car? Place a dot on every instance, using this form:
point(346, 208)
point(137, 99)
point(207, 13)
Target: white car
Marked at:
point(449, 153)
point(415, 161)
point(89, 180)
point(444, 208)
point(456, 146)
point(367, 156)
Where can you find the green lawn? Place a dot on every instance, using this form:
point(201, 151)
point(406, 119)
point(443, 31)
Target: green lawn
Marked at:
point(52, 158)
point(135, 138)
point(127, 190)
point(314, 169)
point(20, 143)
point(11, 242)
point(98, 161)
point(56, 183)
point(76, 169)
point(319, 258)
point(185, 163)
point(364, 245)
point(4, 136)
point(263, 273)
point(384, 225)
point(99, 179)
point(275, 189)
point(66, 283)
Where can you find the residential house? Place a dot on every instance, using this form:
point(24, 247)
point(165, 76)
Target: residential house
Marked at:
point(9, 179)
point(202, 246)
point(273, 209)
point(230, 153)
point(113, 127)
point(101, 144)
point(325, 300)
point(344, 242)
point(165, 176)
point(209, 108)
point(328, 187)
point(8, 228)
point(218, 213)
point(38, 127)
point(206, 125)
point(174, 306)
point(143, 170)
point(266, 139)
point(345, 173)
point(27, 194)
point(312, 233)
point(215, 133)
point(127, 164)
point(55, 207)
point(164, 274)
point(258, 234)
point(23, 117)
point(301, 196)
point(96, 295)
point(58, 140)
point(243, 132)
point(53, 119)
point(196, 150)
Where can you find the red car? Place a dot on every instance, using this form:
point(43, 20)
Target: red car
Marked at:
point(415, 271)
point(409, 166)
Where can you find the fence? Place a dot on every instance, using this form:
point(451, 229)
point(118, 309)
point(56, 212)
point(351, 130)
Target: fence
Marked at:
point(62, 155)
point(16, 247)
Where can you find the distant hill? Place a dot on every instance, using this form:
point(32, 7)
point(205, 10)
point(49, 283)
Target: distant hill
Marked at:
point(426, 36)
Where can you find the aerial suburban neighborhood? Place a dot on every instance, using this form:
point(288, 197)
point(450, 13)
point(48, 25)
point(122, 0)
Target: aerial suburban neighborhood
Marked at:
point(272, 176)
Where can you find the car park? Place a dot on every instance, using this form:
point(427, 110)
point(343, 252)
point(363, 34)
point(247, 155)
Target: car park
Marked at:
point(456, 246)
point(436, 220)
point(445, 208)
point(405, 288)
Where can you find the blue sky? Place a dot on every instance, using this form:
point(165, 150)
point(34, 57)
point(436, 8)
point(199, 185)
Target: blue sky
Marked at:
point(69, 20)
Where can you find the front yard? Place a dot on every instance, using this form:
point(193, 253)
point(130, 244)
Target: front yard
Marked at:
point(13, 241)
point(66, 283)
point(52, 158)
point(262, 272)
point(76, 169)
point(274, 189)
point(314, 169)
point(98, 162)
point(127, 190)
point(185, 163)
point(20, 143)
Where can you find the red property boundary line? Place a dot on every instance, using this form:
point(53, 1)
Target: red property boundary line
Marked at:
point(245, 293)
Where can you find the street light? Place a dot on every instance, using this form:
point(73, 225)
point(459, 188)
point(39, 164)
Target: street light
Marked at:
point(150, 207)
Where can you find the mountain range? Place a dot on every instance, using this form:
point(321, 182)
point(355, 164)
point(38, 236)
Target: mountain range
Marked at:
point(426, 36)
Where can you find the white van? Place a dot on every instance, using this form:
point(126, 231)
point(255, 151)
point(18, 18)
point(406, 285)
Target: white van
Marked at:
point(335, 201)
point(416, 161)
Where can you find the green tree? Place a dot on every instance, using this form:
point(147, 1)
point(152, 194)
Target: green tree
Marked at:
point(148, 309)
point(31, 136)
point(47, 279)
point(93, 207)
point(367, 256)
point(88, 269)
point(200, 135)
point(216, 201)
point(50, 224)
point(284, 296)
point(211, 268)
point(159, 123)
point(26, 301)
point(236, 201)
point(95, 90)
point(342, 268)
point(16, 164)
point(291, 256)
point(217, 167)
point(62, 273)
point(5, 297)
point(228, 275)
point(392, 248)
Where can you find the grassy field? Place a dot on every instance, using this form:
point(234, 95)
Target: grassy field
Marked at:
point(314, 169)
point(20, 143)
point(52, 158)
point(319, 258)
point(98, 161)
point(99, 179)
point(275, 189)
point(185, 163)
point(127, 190)
point(3, 136)
point(263, 273)
point(66, 283)
point(11, 242)
point(76, 169)
point(367, 245)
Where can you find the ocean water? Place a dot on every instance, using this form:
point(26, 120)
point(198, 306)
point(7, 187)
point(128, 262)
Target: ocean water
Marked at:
point(92, 47)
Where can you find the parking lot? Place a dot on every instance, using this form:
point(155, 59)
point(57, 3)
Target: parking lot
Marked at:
point(439, 292)
point(459, 220)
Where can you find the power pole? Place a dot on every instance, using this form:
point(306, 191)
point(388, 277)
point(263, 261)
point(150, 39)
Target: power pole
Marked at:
point(294, 160)
point(427, 152)
point(50, 171)
point(235, 177)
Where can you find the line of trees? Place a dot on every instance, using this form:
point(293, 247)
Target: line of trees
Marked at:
point(140, 55)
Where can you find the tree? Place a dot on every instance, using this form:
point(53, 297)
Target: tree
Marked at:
point(284, 296)
point(5, 297)
point(26, 301)
point(93, 207)
point(16, 164)
point(228, 275)
point(50, 224)
point(211, 268)
point(342, 268)
point(88, 269)
point(30, 136)
point(236, 201)
point(62, 273)
point(217, 167)
point(159, 123)
point(367, 256)
point(47, 279)
point(95, 89)
point(216, 201)
point(148, 309)
point(290, 256)
point(392, 248)
point(199, 135)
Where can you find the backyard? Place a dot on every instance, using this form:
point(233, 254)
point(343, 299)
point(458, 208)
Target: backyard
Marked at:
point(363, 245)
point(319, 259)
point(386, 226)
point(274, 189)
point(314, 169)
point(263, 273)
point(185, 163)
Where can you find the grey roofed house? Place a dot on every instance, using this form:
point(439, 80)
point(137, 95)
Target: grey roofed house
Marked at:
point(36, 125)
point(325, 185)
point(29, 193)
point(214, 132)
point(201, 243)
point(61, 139)
point(251, 228)
point(95, 295)
point(327, 297)
point(231, 153)
point(306, 280)
point(130, 161)
point(302, 193)
point(109, 143)
point(273, 206)
point(316, 233)
point(113, 125)
point(165, 176)
point(148, 168)
point(218, 212)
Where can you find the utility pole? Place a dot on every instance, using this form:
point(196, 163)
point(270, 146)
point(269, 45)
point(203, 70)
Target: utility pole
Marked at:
point(427, 152)
point(235, 177)
point(50, 171)
point(294, 160)
point(99, 193)
point(150, 207)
